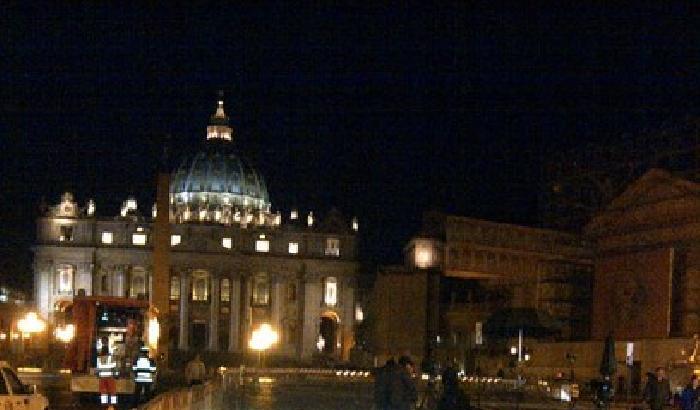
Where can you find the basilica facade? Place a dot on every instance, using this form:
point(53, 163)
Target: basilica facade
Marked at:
point(234, 263)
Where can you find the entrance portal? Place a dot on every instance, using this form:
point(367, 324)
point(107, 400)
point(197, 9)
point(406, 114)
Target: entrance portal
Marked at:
point(198, 336)
point(328, 330)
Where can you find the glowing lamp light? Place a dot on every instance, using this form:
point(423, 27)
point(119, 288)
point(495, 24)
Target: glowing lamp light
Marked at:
point(65, 333)
point(31, 324)
point(424, 257)
point(263, 338)
point(153, 333)
point(321, 343)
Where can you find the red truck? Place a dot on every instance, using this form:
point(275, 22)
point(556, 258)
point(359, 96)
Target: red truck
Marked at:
point(125, 324)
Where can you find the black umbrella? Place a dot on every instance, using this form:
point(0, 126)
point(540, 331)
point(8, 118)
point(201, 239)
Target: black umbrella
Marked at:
point(608, 365)
point(531, 322)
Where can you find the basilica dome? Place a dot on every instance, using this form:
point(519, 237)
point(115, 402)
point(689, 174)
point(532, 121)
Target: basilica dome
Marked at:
point(217, 179)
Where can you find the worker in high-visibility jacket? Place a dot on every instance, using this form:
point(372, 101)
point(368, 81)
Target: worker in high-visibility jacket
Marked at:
point(107, 373)
point(144, 370)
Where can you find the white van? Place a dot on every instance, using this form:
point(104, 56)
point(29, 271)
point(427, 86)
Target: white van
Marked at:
point(17, 396)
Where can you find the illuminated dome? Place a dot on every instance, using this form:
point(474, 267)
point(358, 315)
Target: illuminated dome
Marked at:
point(214, 178)
point(217, 184)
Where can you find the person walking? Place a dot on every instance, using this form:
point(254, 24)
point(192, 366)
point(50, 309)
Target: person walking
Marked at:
point(195, 371)
point(382, 379)
point(402, 394)
point(689, 396)
point(657, 392)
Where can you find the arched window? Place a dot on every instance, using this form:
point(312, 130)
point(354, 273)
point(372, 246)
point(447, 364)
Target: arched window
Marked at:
point(104, 284)
point(65, 275)
point(174, 287)
point(225, 290)
point(138, 282)
point(261, 290)
point(330, 293)
point(200, 286)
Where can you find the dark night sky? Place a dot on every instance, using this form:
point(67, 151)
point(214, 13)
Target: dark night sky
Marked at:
point(383, 112)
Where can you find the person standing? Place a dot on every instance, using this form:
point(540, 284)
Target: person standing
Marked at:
point(657, 392)
point(382, 377)
point(452, 396)
point(195, 371)
point(107, 372)
point(402, 389)
point(144, 370)
point(689, 396)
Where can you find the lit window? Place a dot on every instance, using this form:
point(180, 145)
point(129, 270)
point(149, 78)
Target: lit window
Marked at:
point(359, 314)
point(107, 238)
point(175, 240)
point(355, 224)
point(293, 248)
point(65, 279)
point(66, 234)
point(131, 204)
point(262, 244)
point(226, 243)
point(174, 287)
point(333, 247)
point(294, 214)
point(200, 286)
point(330, 295)
point(225, 290)
point(138, 282)
point(138, 239)
point(310, 219)
point(261, 290)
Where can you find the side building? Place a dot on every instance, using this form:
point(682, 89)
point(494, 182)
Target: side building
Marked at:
point(234, 264)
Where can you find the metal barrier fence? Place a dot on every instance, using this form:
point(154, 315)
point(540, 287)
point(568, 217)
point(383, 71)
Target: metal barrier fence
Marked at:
point(205, 396)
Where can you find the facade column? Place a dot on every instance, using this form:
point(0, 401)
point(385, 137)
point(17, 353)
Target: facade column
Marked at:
point(276, 305)
point(234, 315)
point(246, 319)
point(347, 322)
point(184, 310)
point(312, 305)
point(214, 312)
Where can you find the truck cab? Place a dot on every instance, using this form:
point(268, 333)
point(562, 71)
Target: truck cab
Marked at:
point(18, 396)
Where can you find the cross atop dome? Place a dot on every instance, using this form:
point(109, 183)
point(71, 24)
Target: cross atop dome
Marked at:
point(218, 128)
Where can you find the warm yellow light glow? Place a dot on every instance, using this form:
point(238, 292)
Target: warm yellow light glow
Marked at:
point(310, 219)
point(226, 243)
point(153, 333)
point(424, 257)
point(263, 338)
point(175, 240)
point(513, 350)
point(65, 333)
point(31, 323)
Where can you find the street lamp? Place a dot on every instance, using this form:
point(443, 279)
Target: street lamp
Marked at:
point(31, 324)
point(262, 339)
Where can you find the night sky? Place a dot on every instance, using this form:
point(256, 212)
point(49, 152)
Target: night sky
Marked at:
point(382, 112)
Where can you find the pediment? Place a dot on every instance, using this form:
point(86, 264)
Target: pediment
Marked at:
point(654, 186)
point(653, 189)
